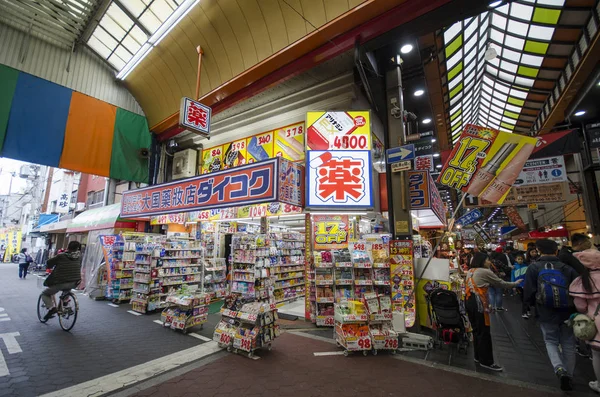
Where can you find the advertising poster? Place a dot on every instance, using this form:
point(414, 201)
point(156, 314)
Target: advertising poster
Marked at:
point(486, 162)
point(330, 231)
point(289, 142)
point(338, 130)
point(543, 170)
point(339, 179)
point(234, 154)
point(469, 217)
point(259, 147)
point(10, 240)
point(515, 218)
point(212, 159)
point(424, 288)
point(107, 242)
point(402, 277)
point(547, 193)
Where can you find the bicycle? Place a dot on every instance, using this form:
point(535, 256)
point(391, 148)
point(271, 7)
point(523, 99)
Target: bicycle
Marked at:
point(67, 309)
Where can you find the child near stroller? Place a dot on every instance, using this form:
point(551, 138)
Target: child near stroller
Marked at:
point(447, 319)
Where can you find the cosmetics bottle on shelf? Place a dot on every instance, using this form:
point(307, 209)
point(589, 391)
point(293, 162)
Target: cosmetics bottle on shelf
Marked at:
point(486, 173)
point(507, 176)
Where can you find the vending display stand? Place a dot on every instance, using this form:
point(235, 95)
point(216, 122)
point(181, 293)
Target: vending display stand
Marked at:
point(381, 329)
point(246, 326)
point(215, 279)
point(185, 309)
point(351, 327)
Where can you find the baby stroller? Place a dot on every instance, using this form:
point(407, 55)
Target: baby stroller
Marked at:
point(447, 319)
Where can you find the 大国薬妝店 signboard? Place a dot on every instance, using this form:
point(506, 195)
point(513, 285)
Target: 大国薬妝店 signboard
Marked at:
point(520, 195)
point(425, 200)
point(402, 279)
point(513, 215)
point(469, 217)
point(542, 170)
point(485, 162)
point(195, 116)
point(330, 231)
point(339, 179)
point(338, 130)
point(267, 181)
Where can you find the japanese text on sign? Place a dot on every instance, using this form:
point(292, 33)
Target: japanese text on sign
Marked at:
point(330, 231)
point(252, 183)
point(402, 279)
point(194, 116)
point(339, 179)
point(338, 130)
point(469, 217)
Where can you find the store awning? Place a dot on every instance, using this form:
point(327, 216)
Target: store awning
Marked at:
point(425, 201)
point(100, 218)
point(56, 227)
point(558, 233)
point(45, 219)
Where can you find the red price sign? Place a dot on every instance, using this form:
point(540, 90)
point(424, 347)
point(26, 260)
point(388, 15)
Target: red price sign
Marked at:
point(329, 321)
point(258, 211)
point(364, 343)
point(377, 247)
point(264, 140)
point(391, 343)
point(225, 339)
point(359, 246)
point(246, 344)
point(295, 131)
point(216, 152)
point(359, 121)
point(350, 142)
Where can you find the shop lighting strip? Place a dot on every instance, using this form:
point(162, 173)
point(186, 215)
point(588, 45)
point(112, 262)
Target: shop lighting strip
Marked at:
point(157, 37)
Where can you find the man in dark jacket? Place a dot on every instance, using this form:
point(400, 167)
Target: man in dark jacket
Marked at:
point(579, 242)
point(66, 275)
point(552, 320)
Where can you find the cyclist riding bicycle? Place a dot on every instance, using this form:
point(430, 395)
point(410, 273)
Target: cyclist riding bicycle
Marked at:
point(66, 275)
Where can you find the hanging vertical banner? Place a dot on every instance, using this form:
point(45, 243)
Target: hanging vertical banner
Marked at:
point(330, 231)
point(64, 199)
point(195, 116)
point(107, 242)
point(514, 217)
point(338, 130)
point(482, 233)
point(289, 142)
point(402, 279)
point(486, 162)
point(339, 179)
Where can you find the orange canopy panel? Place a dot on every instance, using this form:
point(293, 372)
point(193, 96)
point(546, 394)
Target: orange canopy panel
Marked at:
point(89, 135)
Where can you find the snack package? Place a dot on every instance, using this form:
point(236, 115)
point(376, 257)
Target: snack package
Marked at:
point(385, 304)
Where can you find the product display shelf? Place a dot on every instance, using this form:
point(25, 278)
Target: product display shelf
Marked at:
point(351, 327)
point(380, 317)
point(246, 326)
point(185, 309)
point(120, 275)
point(215, 279)
point(363, 271)
point(145, 289)
point(324, 288)
point(179, 267)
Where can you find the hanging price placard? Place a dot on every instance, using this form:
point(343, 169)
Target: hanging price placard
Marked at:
point(330, 231)
point(402, 279)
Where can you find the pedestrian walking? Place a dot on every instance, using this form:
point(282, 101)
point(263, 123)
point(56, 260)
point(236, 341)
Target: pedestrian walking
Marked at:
point(24, 260)
point(547, 287)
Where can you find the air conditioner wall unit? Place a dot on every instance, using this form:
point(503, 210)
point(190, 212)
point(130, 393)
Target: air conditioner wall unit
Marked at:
point(184, 164)
point(79, 207)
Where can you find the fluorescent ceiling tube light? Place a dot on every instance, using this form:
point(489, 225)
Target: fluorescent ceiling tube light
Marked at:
point(133, 62)
point(426, 121)
point(419, 92)
point(406, 48)
point(339, 213)
point(580, 113)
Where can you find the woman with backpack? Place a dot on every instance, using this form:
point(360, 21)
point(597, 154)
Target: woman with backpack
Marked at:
point(479, 280)
point(585, 291)
point(24, 260)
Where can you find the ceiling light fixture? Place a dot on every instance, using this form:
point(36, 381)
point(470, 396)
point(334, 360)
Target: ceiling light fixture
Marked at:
point(438, 166)
point(426, 121)
point(433, 140)
point(580, 113)
point(406, 48)
point(419, 92)
point(436, 155)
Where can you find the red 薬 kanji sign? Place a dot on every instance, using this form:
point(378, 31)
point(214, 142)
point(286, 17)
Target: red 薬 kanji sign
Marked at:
point(339, 178)
point(194, 116)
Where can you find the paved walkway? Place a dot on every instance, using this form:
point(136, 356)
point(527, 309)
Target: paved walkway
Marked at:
point(292, 369)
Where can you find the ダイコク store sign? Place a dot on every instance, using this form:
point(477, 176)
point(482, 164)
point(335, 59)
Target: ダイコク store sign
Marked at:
point(263, 182)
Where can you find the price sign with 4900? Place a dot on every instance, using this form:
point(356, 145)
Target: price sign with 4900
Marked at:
point(463, 164)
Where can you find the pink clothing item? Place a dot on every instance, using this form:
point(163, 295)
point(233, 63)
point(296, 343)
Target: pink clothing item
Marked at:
point(587, 302)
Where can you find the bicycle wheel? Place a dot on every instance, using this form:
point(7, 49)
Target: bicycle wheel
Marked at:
point(41, 310)
point(68, 313)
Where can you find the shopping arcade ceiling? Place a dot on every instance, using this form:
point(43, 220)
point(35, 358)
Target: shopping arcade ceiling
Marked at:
point(539, 45)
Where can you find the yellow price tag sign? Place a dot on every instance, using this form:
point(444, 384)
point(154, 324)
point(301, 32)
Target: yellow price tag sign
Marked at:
point(330, 231)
